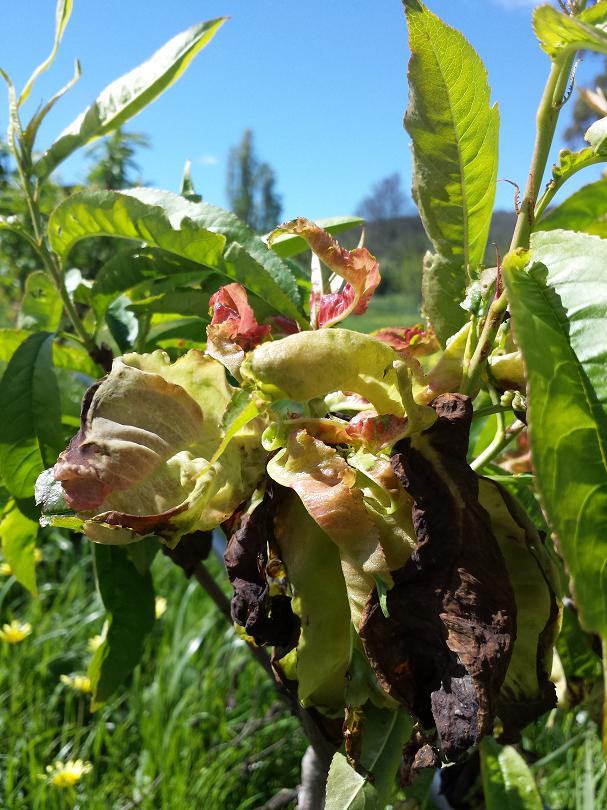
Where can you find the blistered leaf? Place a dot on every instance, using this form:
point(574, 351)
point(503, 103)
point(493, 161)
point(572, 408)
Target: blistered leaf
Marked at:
point(233, 329)
point(140, 461)
point(415, 341)
point(444, 650)
point(287, 245)
point(446, 374)
point(311, 364)
point(320, 601)
point(357, 267)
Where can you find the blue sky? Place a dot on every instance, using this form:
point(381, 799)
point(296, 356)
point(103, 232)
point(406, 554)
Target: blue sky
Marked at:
point(321, 83)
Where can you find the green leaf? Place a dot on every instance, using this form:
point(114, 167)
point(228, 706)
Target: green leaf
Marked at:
point(347, 789)
point(559, 311)
point(596, 135)
point(198, 232)
point(30, 428)
point(41, 306)
point(561, 34)
point(585, 211)
point(129, 94)
point(128, 597)
point(182, 301)
point(287, 245)
point(187, 189)
point(18, 535)
point(122, 323)
point(507, 781)
point(63, 12)
point(455, 138)
point(443, 288)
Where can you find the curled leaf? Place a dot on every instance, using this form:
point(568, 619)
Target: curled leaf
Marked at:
point(147, 430)
point(445, 647)
point(357, 267)
point(415, 341)
point(233, 329)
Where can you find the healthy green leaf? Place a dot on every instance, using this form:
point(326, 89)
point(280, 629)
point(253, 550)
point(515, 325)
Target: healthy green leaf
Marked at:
point(63, 12)
point(585, 210)
point(561, 34)
point(455, 138)
point(197, 232)
point(129, 94)
point(287, 245)
point(347, 789)
point(128, 597)
point(181, 301)
point(18, 535)
point(507, 781)
point(30, 428)
point(41, 306)
point(559, 310)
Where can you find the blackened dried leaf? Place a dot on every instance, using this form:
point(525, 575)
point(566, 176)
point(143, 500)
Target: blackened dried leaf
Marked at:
point(267, 619)
point(191, 550)
point(445, 648)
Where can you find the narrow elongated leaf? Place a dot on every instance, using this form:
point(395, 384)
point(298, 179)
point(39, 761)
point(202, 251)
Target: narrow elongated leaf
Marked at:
point(63, 12)
point(507, 781)
point(287, 244)
point(18, 535)
point(455, 137)
point(41, 307)
point(129, 94)
point(560, 34)
point(443, 288)
point(559, 310)
point(72, 357)
point(128, 597)
point(198, 232)
point(585, 210)
point(30, 428)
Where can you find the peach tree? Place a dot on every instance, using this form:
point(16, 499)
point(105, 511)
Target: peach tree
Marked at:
point(389, 540)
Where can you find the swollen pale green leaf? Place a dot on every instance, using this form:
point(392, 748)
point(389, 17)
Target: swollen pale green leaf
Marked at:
point(287, 245)
point(129, 94)
point(63, 12)
point(320, 600)
point(559, 310)
point(311, 364)
point(585, 210)
point(128, 598)
point(18, 537)
point(596, 136)
point(455, 152)
point(214, 239)
point(30, 428)
point(560, 34)
point(41, 306)
point(508, 783)
point(443, 289)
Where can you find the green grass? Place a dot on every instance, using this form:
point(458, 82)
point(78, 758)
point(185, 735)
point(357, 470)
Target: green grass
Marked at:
point(198, 725)
point(392, 309)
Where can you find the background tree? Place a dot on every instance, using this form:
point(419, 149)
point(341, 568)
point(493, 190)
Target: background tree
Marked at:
point(115, 166)
point(250, 187)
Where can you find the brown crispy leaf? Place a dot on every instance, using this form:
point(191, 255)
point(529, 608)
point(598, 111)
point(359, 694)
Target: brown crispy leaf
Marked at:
point(444, 649)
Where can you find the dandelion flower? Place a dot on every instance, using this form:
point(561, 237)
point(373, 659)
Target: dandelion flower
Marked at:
point(160, 606)
point(66, 774)
point(15, 632)
point(79, 683)
point(5, 569)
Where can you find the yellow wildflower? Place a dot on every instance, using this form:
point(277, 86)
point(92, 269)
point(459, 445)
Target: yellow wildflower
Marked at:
point(94, 643)
point(37, 555)
point(79, 683)
point(5, 569)
point(15, 632)
point(160, 606)
point(66, 774)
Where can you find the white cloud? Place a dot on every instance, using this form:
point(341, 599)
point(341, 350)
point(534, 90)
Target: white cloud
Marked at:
point(208, 160)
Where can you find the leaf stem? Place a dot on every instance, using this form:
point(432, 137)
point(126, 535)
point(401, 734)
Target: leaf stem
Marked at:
point(500, 441)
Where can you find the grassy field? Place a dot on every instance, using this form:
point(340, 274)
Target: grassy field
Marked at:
point(392, 309)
